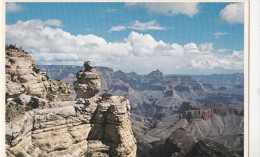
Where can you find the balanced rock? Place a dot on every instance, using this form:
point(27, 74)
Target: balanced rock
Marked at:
point(88, 82)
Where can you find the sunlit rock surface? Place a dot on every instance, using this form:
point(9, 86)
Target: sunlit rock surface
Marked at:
point(41, 124)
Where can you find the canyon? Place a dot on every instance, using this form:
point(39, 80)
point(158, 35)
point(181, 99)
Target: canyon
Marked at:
point(208, 107)
point(63, 110)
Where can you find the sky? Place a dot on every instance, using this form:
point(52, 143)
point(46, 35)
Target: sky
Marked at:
point(176, 38)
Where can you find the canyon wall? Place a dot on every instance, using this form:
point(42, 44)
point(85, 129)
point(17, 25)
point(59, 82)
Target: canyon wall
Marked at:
point(41, 121)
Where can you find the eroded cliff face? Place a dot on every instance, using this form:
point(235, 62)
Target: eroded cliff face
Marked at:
point(43, 126)
point(87, 128)
point(211, 121)
point(205, 131)
point(23, 78)
point(183, 144)
point(217, 123)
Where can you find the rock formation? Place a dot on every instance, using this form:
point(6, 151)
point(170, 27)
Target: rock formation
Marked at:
point(190, 111)
point(22, 77)
point(92, 126)
point(207, 147)
point(156, 98)
point(183, 144)
point(88, 82)
point(155, 74)
point(178, 144)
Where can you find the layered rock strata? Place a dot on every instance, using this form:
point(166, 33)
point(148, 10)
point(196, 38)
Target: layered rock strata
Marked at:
point(87, 128)
point(88, 82)
point(92, 126)
point(22, 77)
point(190, 111)
point(212, 121)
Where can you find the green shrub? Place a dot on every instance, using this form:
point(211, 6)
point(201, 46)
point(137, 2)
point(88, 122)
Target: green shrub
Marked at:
point(89, 154)
point(33, 104)
point(12, 110)
point(104, 97)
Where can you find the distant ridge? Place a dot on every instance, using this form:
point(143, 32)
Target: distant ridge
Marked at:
point(229, 80)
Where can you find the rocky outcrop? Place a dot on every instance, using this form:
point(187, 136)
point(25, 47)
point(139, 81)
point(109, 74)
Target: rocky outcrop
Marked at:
point(191, 112)
point(155, 74)
point(207, 147)
point(219, 123)
point(155, 102)
point(92, 126)
point(87, 128)
point(183, 87)
point(169, 93)
point(212, 121)
point(22, 77)
point(88, 82)
point(183, 144)
point(177, 145)
point(26, 84)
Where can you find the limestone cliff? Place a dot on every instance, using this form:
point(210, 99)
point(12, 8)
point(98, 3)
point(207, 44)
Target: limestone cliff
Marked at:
point(87, 128)
point(22, 77)
point(212, 121)
point(91, 126)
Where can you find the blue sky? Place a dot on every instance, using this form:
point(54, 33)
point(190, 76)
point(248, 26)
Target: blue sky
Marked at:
point(204, 37)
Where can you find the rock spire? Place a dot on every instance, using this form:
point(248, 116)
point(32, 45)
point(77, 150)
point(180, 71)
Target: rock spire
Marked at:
point(88, 82)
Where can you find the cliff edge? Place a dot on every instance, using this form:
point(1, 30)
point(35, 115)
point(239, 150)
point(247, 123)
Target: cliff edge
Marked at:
point(44, 123)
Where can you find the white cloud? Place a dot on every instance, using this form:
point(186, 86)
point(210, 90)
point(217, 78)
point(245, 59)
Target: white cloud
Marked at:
point(137, 52)
point(145, 45)
point(219, 34)
point(233, 13)
point(40, 23)
point(12, 7)
point(53, 22)
point(137, 25)
point(206, 47)
point(117, 28)
point(191, 48)
point(224, 50)
point(230, 61)
point(173, 8)
point(151, 25)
